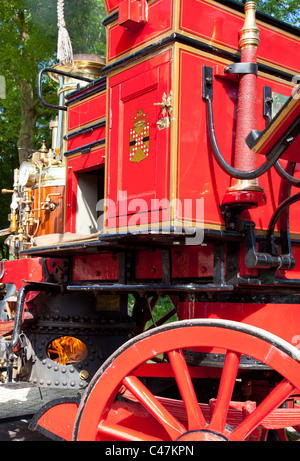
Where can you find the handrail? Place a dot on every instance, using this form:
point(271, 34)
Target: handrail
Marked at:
point(59, 72)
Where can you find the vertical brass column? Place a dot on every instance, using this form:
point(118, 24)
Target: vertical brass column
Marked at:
point(245, 159)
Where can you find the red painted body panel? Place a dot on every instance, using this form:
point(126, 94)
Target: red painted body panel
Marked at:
point(204, 20)
point(48, 419)
point(96, 267)
point(210, 20)
point(140, 85)
point(122, 40)
point(137, 89)
point(87, 112)
point(87, 138)
point(20, 271)
point(279, 319)
point(111, 4)
point(190, 262)
point(199, 175)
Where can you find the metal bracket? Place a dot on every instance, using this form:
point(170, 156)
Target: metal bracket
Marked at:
point(241, 68)
point(231, 214)
point(235, 68)
point(207, 83)
point(262, 260)
point(268, 101)
point(252, 138)
point(268, 258)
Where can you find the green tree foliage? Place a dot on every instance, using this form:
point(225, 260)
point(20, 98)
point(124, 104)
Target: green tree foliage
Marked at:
point(28, 42)
point(285, 10)
point(163, 306)
point(28, 39)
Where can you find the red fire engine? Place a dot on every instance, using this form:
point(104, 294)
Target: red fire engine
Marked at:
point(173, 173)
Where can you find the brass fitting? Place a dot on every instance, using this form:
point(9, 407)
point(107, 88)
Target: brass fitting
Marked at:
point(249, 34)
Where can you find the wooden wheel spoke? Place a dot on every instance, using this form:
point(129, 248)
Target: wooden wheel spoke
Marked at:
point(272, 401)
point(173, 427)
point(169, 419)
point(227, 382)
point(194, 414)
point(124, 433)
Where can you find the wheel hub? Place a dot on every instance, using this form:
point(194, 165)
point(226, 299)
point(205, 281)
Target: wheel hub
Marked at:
point(203, 435)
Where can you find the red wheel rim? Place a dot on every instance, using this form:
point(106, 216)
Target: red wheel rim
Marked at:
point(234, 338)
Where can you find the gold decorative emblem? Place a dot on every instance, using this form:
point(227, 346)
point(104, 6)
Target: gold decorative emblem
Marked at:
point(139, 138)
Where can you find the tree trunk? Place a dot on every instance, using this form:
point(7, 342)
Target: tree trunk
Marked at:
point(25, 142)
point(29, 117)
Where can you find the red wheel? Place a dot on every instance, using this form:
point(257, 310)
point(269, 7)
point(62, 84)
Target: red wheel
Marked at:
point(103, 415)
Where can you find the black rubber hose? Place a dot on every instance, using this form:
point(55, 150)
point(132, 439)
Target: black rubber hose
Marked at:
point(291, 179)
point(282, 207)
point(271, 159)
